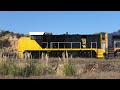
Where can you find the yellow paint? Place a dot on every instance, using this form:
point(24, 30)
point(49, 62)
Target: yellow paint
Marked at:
point(20, 54)
point(100, 40)
point(100, 53)
point(27, 44)
point(115, 49)
point(106, 40)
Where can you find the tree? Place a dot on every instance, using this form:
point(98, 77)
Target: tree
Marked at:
point(18, 35)
point(118, 30)
point(4, 43)
point(22, 35)
point(3, 32)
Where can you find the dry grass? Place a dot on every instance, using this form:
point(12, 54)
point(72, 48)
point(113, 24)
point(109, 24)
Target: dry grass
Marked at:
point(60, 68)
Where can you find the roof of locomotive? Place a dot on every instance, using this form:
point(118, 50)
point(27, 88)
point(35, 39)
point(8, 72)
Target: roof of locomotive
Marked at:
point(42, 33)
point(115, 33)
point(36, 33)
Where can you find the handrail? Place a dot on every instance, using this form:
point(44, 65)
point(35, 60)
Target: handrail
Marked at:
point(51, 44)
point(95, 44)
point(115, 44)
point(92, 47)
point(58, 43)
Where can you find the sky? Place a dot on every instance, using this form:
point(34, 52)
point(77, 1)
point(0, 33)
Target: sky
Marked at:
point(60, 22)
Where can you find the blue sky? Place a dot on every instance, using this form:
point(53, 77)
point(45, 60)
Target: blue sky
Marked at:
point(59, 22)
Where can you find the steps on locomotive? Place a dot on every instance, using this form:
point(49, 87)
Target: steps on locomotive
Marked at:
point(111, 52)
point(111, 49)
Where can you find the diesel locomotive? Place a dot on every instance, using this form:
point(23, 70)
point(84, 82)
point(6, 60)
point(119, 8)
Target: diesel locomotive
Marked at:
point(76, 45)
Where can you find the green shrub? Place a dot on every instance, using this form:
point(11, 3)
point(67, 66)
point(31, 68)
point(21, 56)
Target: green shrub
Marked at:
point(8, 68)
point(69, 69)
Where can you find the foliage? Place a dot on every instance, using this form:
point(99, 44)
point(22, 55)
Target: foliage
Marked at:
point(69, 69)
point(4, 43)
point(18, 35)
point(118, 30)
point(28, 69)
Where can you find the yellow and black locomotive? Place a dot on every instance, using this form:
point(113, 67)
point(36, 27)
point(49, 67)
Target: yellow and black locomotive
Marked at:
point(77, 45)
